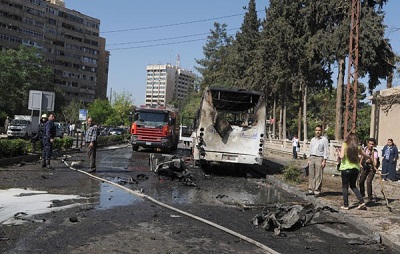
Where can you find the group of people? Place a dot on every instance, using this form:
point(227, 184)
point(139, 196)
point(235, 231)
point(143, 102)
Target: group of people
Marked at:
point(47, 133)
point(356, 163)
point(71, 129)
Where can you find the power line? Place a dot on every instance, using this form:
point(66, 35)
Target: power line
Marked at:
point(175, 24)
point(163, 39)
point(155, 45)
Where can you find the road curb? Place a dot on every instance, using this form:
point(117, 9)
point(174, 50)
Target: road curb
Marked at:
point(15, 160)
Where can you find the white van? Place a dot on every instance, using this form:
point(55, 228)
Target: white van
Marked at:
point(20, 127)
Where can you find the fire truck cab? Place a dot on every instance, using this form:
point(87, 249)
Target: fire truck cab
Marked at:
point(154, 127)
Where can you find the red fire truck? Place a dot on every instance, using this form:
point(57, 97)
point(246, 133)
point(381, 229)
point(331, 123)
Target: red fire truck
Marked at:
point(154, 127)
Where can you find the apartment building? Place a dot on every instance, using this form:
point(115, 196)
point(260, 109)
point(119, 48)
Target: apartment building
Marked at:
point(166, 83)
point(68, 40)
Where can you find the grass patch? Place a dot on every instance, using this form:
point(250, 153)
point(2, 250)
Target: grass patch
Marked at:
point(293, 174)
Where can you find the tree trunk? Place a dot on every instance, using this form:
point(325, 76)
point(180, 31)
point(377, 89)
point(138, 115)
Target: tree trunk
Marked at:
point(299, 115)
point(305, 113)
point(284, 118)
point(339, 100)
point(389, 80)
point(274, 117)
point(280, 123)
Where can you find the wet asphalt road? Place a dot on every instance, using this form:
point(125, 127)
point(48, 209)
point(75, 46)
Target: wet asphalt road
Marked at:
point(111, 220)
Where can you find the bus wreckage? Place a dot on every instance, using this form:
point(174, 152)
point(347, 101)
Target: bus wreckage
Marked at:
point(230, 127)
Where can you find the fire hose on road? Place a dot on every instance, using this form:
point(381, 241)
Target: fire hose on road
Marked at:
point(144, 196)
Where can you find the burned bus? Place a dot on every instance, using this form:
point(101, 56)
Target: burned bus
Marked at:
point(230, 127)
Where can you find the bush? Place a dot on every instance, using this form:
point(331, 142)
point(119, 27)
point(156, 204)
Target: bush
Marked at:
point(14, 147)
point(67, 142)
point(19, 147)
point(58, 143)
point(105, 140)
point(64, 143)
point(292, 174)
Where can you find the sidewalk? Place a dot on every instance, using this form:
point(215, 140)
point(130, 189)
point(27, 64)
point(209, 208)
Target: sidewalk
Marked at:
point(379, 219)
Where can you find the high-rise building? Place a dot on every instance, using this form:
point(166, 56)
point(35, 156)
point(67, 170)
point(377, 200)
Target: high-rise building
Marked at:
point(166, 83)
point(68, 40)
point(57, 2)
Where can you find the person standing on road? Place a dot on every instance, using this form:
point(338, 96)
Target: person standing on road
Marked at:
point(369, 167)
point(48, 139)
point(40, 135)
point(295, 145)
point(349, 168)
point(319, 152)
point(91, 143)
point(6, 124)
point(390, 155)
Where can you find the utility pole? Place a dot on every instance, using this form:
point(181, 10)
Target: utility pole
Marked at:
point(350, 117)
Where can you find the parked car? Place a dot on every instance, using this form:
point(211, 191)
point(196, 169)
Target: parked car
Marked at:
point(59, 130)
point(116, 131)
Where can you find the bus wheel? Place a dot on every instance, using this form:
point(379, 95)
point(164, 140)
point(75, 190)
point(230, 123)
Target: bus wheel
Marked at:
point(135, 148)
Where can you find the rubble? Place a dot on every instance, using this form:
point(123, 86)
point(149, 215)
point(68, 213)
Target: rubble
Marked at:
point(287, 217)
point(171, 166)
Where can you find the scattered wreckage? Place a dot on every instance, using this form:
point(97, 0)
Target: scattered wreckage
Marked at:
point(288, 217)
point(171, 166)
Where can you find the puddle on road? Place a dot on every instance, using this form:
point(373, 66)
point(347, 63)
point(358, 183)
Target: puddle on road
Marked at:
point(18, 205)
point(111, 196)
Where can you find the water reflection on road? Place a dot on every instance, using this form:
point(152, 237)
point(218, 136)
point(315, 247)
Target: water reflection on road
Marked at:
point(164, 191)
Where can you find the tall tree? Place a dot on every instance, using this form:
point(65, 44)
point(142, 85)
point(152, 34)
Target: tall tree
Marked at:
point(243, 50)
point(100, 111)
point(122, 105)
point(70, 112)
point(20, 71)
point(215, 53)
point(293, 63)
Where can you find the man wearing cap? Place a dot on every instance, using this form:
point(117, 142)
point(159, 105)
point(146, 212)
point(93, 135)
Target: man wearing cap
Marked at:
point(48, 139)
point(40, 135)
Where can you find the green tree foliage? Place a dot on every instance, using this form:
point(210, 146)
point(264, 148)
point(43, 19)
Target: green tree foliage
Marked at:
point(213, 64)
point(244, 48)
point(20, 71)
point(70, 112)
point(101, 111)
point(122, 104)
point(115, 114)
point(189, 111)
point(294, 53)
point(377, 59)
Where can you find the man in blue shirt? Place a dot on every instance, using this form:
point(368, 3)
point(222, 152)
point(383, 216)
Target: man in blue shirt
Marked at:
point(47, 141)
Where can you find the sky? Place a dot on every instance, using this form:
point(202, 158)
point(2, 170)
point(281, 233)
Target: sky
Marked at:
point(139, 33)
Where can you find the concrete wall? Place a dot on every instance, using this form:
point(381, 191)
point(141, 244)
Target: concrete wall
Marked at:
point(385, 120)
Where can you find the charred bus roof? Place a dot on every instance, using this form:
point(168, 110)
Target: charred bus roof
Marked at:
point(231, 99)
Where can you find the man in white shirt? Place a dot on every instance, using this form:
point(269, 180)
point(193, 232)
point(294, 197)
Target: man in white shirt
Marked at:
point(295, 144)
point(319, 152)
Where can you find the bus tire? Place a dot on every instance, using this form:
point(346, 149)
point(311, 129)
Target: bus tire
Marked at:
point(135, 148)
